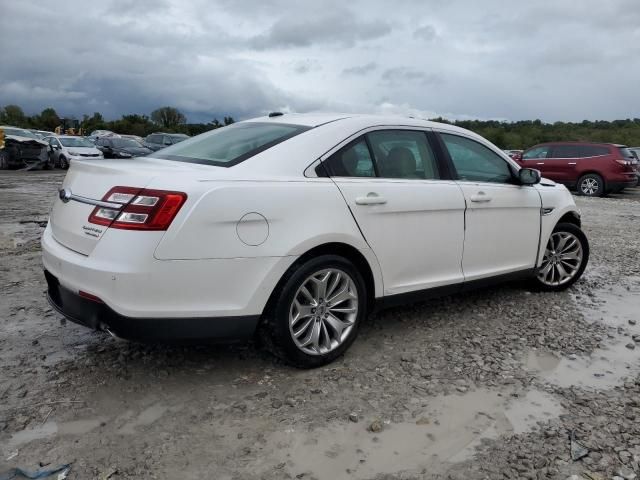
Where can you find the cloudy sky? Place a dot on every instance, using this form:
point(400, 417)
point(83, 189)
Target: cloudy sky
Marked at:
point(548, 59)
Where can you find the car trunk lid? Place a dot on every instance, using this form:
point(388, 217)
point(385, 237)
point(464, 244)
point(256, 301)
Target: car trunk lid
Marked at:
point(84, 188)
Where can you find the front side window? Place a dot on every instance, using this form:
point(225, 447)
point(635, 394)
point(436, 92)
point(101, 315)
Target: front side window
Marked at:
point(228, 146)
point(403, 154)
point(354, 160)
point(536, 153)
point(153, 138)
point(474, 162)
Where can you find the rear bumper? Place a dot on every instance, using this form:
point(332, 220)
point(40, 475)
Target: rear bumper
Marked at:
point(622, 184)
point(99, 316)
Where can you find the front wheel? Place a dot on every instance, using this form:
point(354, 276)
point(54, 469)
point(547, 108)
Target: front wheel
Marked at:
point(565, 258)
point(591, 185)
point(316, 312)
point(64, 163)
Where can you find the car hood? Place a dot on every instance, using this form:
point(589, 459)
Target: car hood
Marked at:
point(21, 139)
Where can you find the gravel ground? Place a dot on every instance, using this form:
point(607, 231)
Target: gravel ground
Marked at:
point(492, 384)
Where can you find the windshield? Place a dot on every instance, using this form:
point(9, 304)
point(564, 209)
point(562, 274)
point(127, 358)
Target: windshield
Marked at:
point(18, 132)
point(227, 146)
point(125, 143)
point(75, 142)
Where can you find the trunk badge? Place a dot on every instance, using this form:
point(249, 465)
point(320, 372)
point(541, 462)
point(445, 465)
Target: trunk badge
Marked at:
point(64, 194)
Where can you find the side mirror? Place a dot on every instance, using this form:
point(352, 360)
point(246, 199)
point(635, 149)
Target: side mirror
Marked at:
point(529, 176)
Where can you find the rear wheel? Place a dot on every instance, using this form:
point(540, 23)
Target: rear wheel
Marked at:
point(591, 185)
point(565, 258)
point(64, 163)
point(4, 160)
point(316, 312)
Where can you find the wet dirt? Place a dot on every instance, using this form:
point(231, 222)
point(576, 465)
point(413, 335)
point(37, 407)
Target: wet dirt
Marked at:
point(482, 385)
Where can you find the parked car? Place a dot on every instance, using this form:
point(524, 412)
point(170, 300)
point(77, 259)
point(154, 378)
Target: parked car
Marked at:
point(113, 147)
point(636, 162)
point(159, 140)
point(65, 148)
point(133, 137)
point(23, 149)
point(296, 226)
point(593, 169)
point(41, 134)
point(102, 133)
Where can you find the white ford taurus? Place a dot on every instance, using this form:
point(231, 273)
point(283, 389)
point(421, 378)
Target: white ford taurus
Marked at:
point(295, 226)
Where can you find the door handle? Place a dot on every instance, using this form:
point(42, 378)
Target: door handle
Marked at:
point(571, 163)
point(540, 163)
point(372, 198)
point(480, 197)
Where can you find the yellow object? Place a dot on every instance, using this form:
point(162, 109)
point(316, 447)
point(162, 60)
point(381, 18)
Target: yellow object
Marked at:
point(57, 130)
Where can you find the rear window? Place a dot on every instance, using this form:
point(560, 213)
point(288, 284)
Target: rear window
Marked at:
point(228, 146)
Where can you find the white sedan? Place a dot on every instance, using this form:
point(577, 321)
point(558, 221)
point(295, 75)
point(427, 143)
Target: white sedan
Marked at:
point(296, 226)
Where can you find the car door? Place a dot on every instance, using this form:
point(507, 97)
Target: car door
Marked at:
point(561, 165)
point(409, 212)
point(502, 218)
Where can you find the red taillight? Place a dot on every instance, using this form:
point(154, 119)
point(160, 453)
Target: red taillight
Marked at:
point(89, 296)
point(141, 209)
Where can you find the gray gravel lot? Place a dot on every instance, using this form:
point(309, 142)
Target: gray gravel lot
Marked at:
point(484, 385)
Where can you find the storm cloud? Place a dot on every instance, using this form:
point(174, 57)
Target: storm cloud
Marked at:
point(558, 60)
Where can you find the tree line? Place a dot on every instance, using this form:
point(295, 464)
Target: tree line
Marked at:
point(509, 135)
point(166, 119)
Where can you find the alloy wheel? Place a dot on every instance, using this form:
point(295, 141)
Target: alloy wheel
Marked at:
point(589, 186)
point(323, 311)
point(562, 259)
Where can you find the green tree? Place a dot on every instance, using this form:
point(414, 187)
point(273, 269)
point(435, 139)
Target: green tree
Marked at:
point(168, 117)
point(48, 119)
point(13, 115)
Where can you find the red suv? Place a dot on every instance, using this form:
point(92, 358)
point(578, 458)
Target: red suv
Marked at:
point(593, 169)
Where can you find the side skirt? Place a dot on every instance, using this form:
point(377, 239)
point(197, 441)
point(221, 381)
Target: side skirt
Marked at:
point(427, 294)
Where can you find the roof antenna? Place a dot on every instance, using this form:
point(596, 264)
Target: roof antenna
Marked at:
point(275, 114)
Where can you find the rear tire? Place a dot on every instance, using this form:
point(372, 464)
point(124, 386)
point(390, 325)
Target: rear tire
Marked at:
point(565, 258)
point(4, 160)
point(315, 312)
point(591, 185)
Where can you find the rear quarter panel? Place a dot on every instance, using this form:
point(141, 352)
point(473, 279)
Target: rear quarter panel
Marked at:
point(299, 216)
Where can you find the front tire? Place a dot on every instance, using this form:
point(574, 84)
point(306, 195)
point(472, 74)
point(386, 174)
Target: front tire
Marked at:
point(64, 163)
point(591, 185)
point(565, 258)
point(316, 311)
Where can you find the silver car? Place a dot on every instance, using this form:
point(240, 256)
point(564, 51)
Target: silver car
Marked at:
point(65, 148)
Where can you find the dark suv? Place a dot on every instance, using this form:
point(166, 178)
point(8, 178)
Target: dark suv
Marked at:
point(159, 140)
point(593, 169)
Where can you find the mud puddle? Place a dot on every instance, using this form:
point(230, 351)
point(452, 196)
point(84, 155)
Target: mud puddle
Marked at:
point(49, 429)
point(448, 431)
point(617, 307)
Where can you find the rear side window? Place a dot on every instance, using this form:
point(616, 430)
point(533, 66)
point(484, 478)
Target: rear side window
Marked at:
point(566, 151)
point(593, 151)
point(403, 154)
point(154, 138)
point(354, 160)
point(228, 146)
